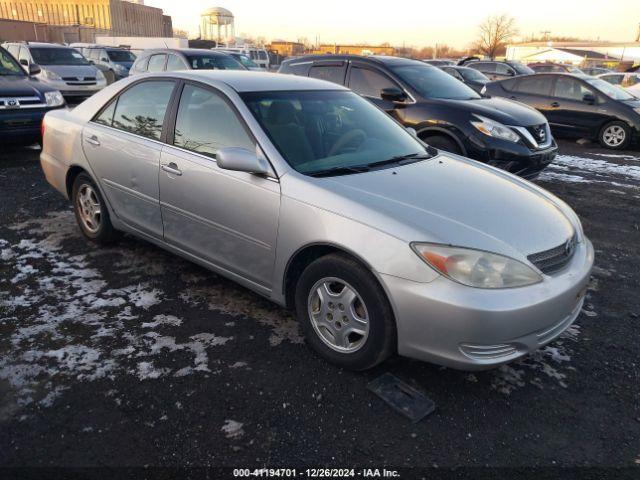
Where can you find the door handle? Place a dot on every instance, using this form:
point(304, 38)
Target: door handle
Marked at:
point(555, 104)
point(93, 140)
point(172, 168)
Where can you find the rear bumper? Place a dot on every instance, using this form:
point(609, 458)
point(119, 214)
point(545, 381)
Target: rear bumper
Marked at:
point(474, 329)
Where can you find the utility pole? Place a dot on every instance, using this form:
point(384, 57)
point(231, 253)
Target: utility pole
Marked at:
point(638, 36)
point(545, 34)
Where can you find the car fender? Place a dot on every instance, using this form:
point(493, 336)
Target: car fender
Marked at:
point(445, 129)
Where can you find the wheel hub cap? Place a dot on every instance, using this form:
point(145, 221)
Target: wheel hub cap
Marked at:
point(614, 136)
point(89, 208)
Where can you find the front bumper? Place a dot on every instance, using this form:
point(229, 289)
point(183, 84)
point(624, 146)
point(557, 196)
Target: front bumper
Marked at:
point(513, 157)
point(467, 328)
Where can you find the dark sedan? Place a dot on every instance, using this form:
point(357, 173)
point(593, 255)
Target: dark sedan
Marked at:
point(472, 78)
point(23, 101)
point(578, 106)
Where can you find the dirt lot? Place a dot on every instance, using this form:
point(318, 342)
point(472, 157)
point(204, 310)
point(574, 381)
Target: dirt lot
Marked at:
point(131, 356)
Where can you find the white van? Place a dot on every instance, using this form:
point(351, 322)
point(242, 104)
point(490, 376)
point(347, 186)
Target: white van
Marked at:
point(257, 54)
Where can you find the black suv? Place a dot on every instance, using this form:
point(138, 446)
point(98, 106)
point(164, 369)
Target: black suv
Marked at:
point(496, 70)
point(443, 111)
point(23, 101)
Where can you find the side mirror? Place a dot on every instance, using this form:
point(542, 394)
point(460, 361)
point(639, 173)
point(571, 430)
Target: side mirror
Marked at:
point(393, 94)
point(34, 69)
point(589, 98)
point(510, 73)
point(242, 160)
point(24, 61)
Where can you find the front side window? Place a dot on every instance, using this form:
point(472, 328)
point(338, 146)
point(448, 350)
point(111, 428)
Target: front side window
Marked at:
point(142, 64)
point(213, 62)
point(502, 69)
point(571, 89)
point(57, 56)
point(8, 65)
point(246, 61)
point(206, 123)
point(175, 63)
point(431, 82)
point(613, 79)
point(327, 132)
point(330, 73)
point(369, 83)
point(156, 63)
point(140, 109)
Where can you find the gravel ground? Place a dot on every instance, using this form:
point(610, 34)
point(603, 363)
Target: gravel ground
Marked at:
point(129, 356)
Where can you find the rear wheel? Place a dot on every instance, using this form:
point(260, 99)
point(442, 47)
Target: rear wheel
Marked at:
point(442, 142)
point(615, 135)
point(344, 313)
point(91, 212)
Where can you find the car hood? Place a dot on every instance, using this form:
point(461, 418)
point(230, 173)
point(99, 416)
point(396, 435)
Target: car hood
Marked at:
point(14, 86)
point(72, 70)
point(448, 200)
point(502, 110)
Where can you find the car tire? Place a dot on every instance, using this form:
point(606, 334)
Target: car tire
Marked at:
point(91, 211)
point(615, 135)
point(444, 143)
point(351, 324)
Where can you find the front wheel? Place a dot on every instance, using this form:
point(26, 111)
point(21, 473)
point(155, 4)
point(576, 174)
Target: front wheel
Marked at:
point(444, 143)
point(615, 135)
point(91, 212)
point(344, 313)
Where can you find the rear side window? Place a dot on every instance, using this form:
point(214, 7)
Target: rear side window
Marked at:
point(156, 63)
point(140, 109)
point(483, 67)
point(369, 83)
point(297, 69)
point(141, 64)
point(331, 73)
point(175, 63)
point(206, 123)
point(534, 85)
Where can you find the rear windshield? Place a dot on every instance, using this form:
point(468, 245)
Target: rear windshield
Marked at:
point(431, 82)
point(121, 56)
point(217, 62)
point(57, 56)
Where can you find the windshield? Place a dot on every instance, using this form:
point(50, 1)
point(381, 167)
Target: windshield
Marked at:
point(317, 131)
point(611, 91)
point(246, 61)
point(218, 62)
point(57, 56)
point(121, 56)
point(8, 66)
point(431, 82)
point(521, 68)
point(473, 75)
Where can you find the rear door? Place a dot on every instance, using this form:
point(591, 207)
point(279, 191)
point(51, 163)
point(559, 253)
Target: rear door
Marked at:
point(534, 90)
point(123, 144)
point(227, 218)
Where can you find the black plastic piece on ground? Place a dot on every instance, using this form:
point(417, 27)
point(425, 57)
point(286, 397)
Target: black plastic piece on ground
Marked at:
point(403, 398)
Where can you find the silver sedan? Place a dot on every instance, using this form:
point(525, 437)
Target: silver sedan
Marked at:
point(309, 195)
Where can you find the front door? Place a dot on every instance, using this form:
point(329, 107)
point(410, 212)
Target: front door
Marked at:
point(369, 83)
point(227, 218)
point(122, 146)
point(570, 114)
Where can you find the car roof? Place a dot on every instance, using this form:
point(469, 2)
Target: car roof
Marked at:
point(201, 51)
point(46, 45)
point(248, 81)
point(378, 59)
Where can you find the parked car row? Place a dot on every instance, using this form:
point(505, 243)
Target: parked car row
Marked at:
point(305, 192)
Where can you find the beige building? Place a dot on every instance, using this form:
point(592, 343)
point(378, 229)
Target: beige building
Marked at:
point(354, 49)
point(114, 17)
point(286, 49)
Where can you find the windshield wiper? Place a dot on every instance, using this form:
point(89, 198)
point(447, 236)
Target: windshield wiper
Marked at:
point(329, 172)
point(400, 160)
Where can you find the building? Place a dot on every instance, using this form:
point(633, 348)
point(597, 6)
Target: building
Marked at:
point(75, 20)
point(217, 24)
point(577, 53)
point(354, 49)
point(286, 49)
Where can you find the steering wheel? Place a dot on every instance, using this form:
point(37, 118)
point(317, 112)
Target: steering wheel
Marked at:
point(352, 136)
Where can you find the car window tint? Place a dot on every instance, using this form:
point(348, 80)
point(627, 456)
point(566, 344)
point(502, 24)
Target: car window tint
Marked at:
point(331, 73)
point(141, 108)
point(369, 83)
point(206, 123)
point(534, 85)
point(571, 89)
point(175, 63)
point(156, 63)
point(502, 69)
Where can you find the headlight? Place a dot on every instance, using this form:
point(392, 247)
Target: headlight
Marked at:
point(52, 75)
point(54, 99)
point(495, 129)
point(637, 109)
point(476, 268)
point(100, 76)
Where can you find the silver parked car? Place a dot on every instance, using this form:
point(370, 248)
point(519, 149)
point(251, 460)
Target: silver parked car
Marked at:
point(311, 196)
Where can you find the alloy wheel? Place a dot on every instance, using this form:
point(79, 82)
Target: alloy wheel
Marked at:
point(614, 136)
point(89, 209)
point(338, 315)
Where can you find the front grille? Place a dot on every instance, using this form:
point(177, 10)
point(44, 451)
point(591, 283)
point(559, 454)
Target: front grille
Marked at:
point(18, 102)
point(80, 80)
point(539, 133)
point(556, 258)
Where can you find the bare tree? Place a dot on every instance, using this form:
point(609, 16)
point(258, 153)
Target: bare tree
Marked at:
point(494, 33)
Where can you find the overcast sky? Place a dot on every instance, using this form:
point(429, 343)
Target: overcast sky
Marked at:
point(413, 22)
